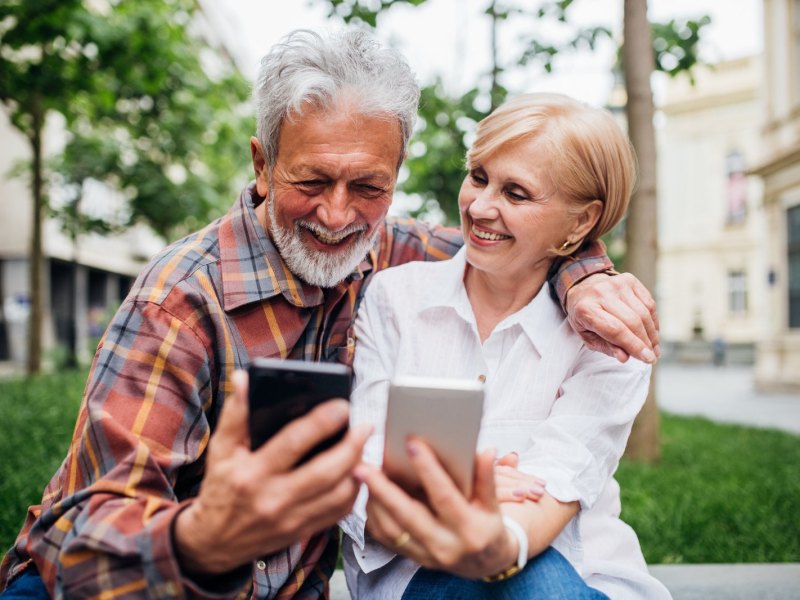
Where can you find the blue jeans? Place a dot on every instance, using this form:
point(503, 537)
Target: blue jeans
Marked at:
point(27, 585)
point(548, 576)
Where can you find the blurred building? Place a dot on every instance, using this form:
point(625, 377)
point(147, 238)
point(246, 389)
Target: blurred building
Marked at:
point(778, 363)
point(711, 291)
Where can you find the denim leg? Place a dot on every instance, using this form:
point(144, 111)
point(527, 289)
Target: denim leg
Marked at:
point(548, 576)
point(27, 585)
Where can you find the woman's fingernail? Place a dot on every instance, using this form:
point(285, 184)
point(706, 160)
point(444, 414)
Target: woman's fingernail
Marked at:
point(536, 490)
point(519, 493)
point(412, 448)
point(648, 356)
point(657, 350)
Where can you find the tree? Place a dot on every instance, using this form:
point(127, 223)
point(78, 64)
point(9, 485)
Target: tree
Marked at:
point(44, 61)
point(178, 133)
point(161, 130)
point(642, 244)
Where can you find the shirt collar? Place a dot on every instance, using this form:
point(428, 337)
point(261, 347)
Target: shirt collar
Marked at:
point(449, 291)
point(253, 270)
point(539, 319)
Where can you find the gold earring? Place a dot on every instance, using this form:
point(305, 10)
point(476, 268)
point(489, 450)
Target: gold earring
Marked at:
point(565, 244)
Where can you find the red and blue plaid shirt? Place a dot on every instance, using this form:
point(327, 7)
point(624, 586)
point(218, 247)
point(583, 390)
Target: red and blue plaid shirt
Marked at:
point(202, 308)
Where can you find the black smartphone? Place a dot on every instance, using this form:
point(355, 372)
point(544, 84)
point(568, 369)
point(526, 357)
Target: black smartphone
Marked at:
point(283, 390)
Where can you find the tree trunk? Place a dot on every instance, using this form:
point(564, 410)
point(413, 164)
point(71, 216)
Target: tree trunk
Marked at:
point(642, 243)
point(34, 362)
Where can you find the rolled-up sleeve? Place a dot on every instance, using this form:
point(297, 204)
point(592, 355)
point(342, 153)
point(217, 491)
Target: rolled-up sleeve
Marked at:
point(579, 445)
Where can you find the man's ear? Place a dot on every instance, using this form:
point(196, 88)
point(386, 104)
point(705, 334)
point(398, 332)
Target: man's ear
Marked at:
point(260, 166)
point(586, 219)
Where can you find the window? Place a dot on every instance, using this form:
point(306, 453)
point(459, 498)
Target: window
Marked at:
point(793, 248)
point(737, 292)
point(735, 188)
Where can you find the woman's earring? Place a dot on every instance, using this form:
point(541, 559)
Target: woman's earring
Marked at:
point(565, 245)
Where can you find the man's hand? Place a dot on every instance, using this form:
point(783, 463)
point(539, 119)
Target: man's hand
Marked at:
point(616, 316)
point(255, 502)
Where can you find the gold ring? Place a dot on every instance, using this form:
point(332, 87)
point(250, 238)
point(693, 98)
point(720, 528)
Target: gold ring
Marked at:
point(402, 540)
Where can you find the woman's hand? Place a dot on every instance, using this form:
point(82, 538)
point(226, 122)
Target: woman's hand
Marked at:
point(449, 532)
point(513, 486)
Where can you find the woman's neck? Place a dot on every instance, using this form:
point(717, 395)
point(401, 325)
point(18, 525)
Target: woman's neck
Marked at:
point(494, 297)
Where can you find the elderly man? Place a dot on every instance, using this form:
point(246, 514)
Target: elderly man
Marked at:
point(160, 494)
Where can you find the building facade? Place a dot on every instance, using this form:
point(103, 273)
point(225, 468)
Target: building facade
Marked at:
point(711, 291)
point(778, 361)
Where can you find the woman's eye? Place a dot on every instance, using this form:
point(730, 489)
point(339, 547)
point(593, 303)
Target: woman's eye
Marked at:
point(516, 196)
point(477, 178)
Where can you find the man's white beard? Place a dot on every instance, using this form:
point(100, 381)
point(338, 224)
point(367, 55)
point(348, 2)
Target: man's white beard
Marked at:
point(317, 267)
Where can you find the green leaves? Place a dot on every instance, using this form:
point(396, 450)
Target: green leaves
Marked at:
point(364, 11)
point(146, 113)
point(675, 44)
point(43, 58)
point(436, 159)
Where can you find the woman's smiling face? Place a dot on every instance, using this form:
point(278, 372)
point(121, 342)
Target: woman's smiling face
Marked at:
point(512, 216)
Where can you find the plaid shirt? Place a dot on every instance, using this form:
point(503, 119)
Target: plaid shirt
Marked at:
point(201, 309)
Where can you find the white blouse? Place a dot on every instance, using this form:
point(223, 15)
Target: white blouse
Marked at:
point(566, 410)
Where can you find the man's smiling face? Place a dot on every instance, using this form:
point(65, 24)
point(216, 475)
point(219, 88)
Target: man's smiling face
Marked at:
point(330, 189)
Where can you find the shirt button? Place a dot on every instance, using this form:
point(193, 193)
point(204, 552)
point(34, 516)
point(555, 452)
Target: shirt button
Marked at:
point(482, 378)
point(261, 565)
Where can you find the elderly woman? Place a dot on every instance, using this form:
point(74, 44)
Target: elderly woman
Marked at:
point(546, 175)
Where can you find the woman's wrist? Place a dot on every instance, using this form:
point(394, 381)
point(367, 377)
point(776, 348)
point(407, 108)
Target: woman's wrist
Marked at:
point(516, 551)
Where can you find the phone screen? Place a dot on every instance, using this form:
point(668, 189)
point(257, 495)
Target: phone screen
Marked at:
point(283, 390)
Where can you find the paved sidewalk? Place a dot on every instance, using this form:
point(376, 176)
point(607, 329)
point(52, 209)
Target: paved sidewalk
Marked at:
point(731, 582)
point(724, 394)
point(699, 582)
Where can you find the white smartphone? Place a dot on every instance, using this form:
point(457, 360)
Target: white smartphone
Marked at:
point(445, 413)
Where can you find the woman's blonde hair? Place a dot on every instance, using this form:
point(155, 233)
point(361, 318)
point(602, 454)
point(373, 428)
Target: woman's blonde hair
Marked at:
point(590, 156)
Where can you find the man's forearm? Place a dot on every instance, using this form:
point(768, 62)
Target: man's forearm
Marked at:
point(566, 273)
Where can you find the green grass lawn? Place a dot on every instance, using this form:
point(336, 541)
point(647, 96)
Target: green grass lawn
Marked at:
point(36, 428)
point(720, 494)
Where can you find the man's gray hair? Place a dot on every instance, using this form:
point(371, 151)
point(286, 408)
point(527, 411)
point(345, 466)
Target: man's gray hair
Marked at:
point(308, 69)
